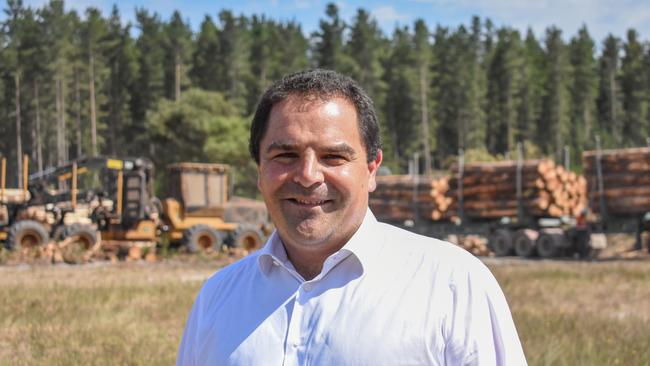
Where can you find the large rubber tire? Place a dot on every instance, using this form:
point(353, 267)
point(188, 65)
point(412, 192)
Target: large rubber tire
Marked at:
point(26, 234)
point(247, 237)
point(549, 245)
point(202, 238)
point(81, 249)
point(524, 243)
point(500, 241)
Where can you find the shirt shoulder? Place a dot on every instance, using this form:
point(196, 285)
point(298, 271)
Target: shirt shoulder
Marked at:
point(231, 276)
point(403, 243)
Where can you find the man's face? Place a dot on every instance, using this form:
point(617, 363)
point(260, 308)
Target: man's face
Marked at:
point(313, 172)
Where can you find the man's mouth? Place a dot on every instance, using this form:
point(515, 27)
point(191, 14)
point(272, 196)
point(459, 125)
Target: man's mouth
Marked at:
point(308, 202)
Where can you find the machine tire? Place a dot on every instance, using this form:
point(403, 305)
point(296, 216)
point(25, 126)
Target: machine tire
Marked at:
point(81, 249)
point(524, 243)
point(549, 245)
point(202, 238)
point(500, 241)
point(26, 234)
point(247, 237)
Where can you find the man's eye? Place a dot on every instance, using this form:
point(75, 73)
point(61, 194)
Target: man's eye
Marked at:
point(285, 156)
point(335, 159)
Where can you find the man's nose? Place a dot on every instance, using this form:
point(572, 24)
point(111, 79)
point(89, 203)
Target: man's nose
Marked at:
point(308, 171)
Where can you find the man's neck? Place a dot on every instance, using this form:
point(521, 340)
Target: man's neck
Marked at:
point(308, 264)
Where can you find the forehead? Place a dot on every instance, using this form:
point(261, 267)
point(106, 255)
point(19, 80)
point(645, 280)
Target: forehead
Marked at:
point(313, 115)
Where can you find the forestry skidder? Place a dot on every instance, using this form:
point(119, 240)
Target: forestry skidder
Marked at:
point(20, 229)
point(200, 214)
point(90, 196)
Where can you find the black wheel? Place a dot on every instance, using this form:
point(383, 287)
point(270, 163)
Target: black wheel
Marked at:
point(78, 243)
point(247, 237)
point(524, 242)
point(26, 234)
point(202, 238)
point(500, 241)
point(549, 245)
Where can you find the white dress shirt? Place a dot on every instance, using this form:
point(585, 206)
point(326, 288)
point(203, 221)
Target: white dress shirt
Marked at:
point(388, 297)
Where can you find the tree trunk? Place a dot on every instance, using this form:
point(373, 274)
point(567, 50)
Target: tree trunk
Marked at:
point(177, 80)
point(93, 112)
point(19, 144)
point(37, 139)
point(62, 155)
point(78, 101)
point(425, 121)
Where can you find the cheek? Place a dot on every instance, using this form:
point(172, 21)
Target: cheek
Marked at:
point(271, 177)
point(350, 179)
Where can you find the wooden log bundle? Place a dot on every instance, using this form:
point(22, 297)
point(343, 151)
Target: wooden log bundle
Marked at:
point(625, 180)
point(489, 190)
point(407, 197)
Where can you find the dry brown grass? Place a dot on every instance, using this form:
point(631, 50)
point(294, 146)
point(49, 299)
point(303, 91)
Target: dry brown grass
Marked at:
point(567, 312)
point(580, 313)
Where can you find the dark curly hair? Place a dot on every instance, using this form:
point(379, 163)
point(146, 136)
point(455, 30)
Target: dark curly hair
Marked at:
point(323, 84)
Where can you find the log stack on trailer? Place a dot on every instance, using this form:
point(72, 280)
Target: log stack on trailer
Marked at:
point(624, 184)
point(489, 190)
point(477, 197)
point(407, 197)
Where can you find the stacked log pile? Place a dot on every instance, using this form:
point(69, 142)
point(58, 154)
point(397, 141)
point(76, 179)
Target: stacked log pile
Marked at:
point(626, 180)
point(490, 190)
point(403, 197)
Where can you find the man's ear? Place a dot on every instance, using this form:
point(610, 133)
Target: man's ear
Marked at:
point(373, 166)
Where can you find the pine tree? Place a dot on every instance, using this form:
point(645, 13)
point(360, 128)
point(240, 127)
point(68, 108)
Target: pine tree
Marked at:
point(503, 92)
point(233, 58)
point(364, 49)
point(423, 55)
point(121, 60)
point(205, 59)
point(400, 111)
point(328, 41)
point(178, 51)
point(291, 48)
point(13, 73)
point(530, 89)
point(553, 130)
point(261, 33)
point(94, 36)
point(444, 91)
point(582, 88)
point(633, 92)
point(608, 102)
point(149, 85)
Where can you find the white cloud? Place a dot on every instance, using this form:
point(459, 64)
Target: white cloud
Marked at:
point(387, 14)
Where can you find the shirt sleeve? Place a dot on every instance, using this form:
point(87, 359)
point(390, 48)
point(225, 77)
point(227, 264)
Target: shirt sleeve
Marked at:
point(481, 328)
point(188, 348)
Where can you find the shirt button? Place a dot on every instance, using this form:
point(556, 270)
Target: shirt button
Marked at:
point(308, 286)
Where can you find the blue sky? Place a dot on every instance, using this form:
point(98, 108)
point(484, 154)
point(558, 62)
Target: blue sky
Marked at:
point(600, 16)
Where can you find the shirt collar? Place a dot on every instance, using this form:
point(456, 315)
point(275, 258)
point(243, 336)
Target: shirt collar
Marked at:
point(273, 251)
point(363, 245)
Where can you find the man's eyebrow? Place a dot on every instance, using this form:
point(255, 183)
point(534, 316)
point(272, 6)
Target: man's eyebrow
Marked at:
point(280, 145)
point(341, 148)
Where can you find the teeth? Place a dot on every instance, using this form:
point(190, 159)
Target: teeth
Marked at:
point(310, 202)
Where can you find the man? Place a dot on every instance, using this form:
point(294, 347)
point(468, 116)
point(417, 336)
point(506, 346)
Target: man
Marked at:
point(332, 286)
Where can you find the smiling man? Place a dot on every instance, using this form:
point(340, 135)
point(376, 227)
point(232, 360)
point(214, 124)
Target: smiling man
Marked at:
point(332, 286)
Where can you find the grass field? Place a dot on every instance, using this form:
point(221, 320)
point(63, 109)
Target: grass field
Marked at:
point(567, 313)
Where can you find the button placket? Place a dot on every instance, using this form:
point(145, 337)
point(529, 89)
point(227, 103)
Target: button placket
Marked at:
point(293, 341)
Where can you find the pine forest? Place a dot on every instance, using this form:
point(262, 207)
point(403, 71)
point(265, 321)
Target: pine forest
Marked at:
point(76, 84)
